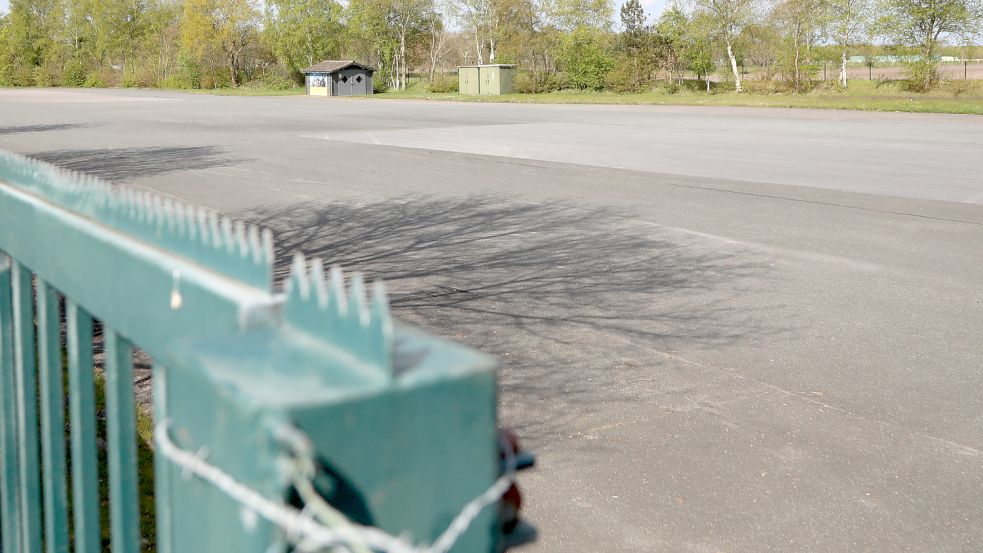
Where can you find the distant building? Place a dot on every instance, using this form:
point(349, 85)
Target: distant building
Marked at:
point(338, 78)
point(891, 60)
point(485, 80)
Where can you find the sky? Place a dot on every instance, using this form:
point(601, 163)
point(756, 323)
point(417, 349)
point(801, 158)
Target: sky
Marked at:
point(4, 6)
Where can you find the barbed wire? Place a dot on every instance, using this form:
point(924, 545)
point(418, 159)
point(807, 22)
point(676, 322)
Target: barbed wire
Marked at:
point(318, 525)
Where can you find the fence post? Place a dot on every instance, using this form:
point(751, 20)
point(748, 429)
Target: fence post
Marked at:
point(9, 517)
point(399, 437)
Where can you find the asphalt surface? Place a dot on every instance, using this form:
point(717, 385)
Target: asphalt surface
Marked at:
point(722, 330)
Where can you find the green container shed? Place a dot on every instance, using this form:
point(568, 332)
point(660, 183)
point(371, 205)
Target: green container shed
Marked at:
point(486, 80)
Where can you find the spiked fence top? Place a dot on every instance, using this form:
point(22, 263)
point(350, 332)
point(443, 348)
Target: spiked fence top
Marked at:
point(317, 303)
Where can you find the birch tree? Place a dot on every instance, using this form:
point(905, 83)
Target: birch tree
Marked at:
point(161, 41)
point(848, 22)
point(219, 28)
point(670, 30)
point(698, 49)
point(472, 16)
point(799, 23)
point(406, 17)
point(437, 36)
point(730, 18)
point(924, 24)
point(303, 32)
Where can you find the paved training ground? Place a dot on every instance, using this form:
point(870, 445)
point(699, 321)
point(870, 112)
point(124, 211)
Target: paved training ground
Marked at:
point(721, 329)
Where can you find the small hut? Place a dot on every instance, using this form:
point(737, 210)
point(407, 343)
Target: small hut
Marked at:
point(338, 78)
point(486, 80)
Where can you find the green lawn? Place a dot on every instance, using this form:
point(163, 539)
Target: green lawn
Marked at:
point(861, 95)
point(957, 97)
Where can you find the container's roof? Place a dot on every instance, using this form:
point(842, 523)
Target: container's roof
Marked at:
point(507, 65)
point(330, 66)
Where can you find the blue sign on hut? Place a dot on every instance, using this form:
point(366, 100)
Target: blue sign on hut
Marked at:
point(338, 78)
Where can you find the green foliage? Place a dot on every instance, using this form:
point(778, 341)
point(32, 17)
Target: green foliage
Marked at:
point(624, 76)
point(443, 84)
point(94, 81)
point(271, 81)
point(570, 15)
point(532, 82)
point(303, 32)
point(217, 34)
point(699, 50)
point(633, 22)
point(205, 44)
point(636, 51)
point(583, 58)
point(922, 24)
point(961, 87)
point(75, 74)
point(922, 75)
point(670, 33)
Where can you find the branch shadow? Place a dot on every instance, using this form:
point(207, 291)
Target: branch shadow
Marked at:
point(572, 301)
point(41, 128)
point(121, 164)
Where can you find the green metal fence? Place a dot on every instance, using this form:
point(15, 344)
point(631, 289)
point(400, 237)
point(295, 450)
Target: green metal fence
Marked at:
point(283, 422)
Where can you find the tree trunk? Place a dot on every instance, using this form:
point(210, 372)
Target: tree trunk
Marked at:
point(477, 47)
point(798, 75)
point(706, 78)
point(434, 51)
point(733, 67)
point(232, 72)
point(402, 60)
point(843, 69)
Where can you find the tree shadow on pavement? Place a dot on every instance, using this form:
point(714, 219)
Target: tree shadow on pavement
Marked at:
point(121, 164)
point(41, 128)
point(576, 303)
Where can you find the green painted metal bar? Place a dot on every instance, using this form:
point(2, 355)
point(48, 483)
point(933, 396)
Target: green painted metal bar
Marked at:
point(50, 376)
point(82, 418)
point(9, 517)
point(22, 294)
point(124, 514)
point(162, 474)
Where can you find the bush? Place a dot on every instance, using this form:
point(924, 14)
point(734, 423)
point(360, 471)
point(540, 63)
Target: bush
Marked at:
point(44, 76)
point(130, 80)
point(923, 75)
point(271, 81)
point(624, 77)
point(443, 84)
point(524, 83)
point(172, 82)
point(584, 60)
point(75, 74)
point(959, 87)
point(534, 82)
point(760, 86)
point(94, 81)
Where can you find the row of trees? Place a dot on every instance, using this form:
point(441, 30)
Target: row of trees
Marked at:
point(209, 43)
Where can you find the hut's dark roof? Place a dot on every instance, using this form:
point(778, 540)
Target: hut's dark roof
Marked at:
point(331, 66)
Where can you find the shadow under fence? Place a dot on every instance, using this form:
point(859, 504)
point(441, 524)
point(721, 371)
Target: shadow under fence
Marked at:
point(121, 164)
point(24, 129)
